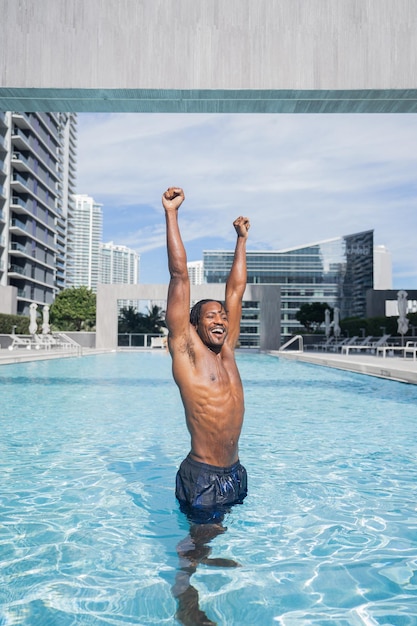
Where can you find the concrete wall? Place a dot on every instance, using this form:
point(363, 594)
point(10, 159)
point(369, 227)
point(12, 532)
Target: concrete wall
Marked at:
point(84, 339)
point(269, 297)
point(8, 300)
point(107, 296)
point(375, 300)
point(209, 55)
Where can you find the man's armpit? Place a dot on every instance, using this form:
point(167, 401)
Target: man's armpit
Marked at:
point(183, 345)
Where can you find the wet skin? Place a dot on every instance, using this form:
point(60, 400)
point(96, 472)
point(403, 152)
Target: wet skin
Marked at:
point(204, 368)
point(211, 390)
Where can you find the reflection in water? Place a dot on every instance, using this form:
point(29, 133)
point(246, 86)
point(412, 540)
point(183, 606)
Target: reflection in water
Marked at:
point(192, 550)
point(205, 524)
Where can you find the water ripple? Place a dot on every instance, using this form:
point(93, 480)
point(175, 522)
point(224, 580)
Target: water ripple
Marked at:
point(88, 519)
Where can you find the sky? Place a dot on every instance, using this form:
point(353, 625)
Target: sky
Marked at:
point(299, 178)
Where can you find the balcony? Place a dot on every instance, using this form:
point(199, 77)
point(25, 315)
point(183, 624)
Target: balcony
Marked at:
point(21, 163)
point(15, 246)
point(23, 207)
point(16, 224)
point(46, 161)
point(20, 139)
point(21, 120)
point(19, 205)
point(17, 269)
point(34, 258)
point(20, 183)
point(35, 124)
point(54, 116)
point(3, 168)
point(41, 123)
point(19, 228)
point(24, 142)
point(18, 159)
point(20, 273)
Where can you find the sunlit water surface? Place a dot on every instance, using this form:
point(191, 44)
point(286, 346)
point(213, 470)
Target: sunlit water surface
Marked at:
point(89, 524)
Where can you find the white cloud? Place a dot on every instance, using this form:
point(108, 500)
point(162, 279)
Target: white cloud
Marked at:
point(300, 178)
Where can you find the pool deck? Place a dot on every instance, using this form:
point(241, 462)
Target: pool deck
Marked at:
point(391, 367)
point(22, 355)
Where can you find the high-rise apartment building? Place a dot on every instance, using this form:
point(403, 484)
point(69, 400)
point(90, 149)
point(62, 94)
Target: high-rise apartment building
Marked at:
point(196, 272)
point(118, 264)
point(337, 271)
point(37, 173)
point(67, 164)
point(85, 227)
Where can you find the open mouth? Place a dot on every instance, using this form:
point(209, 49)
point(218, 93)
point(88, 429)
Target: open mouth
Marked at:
point(218, 331)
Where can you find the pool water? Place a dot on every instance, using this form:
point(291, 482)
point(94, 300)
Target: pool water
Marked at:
point(89, 524)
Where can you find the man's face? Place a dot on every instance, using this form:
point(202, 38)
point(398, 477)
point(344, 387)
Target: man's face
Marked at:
point(213, 325)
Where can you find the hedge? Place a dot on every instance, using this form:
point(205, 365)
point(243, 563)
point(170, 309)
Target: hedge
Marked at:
point(8, 321)
point(375, 325)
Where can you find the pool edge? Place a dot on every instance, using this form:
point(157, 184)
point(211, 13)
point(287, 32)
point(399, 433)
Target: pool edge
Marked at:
point(390, 368)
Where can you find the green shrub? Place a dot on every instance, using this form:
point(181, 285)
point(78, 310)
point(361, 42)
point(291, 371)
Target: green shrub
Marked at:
point(375, 326)
point(8, 321)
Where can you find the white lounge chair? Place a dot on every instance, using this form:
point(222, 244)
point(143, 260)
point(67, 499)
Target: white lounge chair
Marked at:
point(346, 342)
point(21, 342)
point(45, 341)
point(324, 345)
point(363, 342)
point(410, 348)
point(369, 347)
point(158, 342)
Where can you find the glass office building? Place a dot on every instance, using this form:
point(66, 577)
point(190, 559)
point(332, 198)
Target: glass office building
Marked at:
point(337, 271)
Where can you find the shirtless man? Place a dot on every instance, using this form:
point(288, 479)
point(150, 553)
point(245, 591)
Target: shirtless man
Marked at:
point(202, 345)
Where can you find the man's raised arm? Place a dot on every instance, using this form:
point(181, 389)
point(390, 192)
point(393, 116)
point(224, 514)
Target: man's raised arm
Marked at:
point(178, 304)
point(236, 283)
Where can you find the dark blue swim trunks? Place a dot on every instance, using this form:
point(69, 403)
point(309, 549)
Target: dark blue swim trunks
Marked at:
point(206, 492)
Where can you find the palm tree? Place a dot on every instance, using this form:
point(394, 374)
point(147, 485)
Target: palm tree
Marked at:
point(154, 321)
point(129, 320)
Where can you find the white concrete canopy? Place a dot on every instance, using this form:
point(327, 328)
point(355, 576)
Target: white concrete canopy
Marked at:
point(207, 56)
point(269, 297)
point(266, 56)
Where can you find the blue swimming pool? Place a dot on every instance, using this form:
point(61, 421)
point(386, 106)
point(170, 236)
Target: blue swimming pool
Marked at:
point(89, 524)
